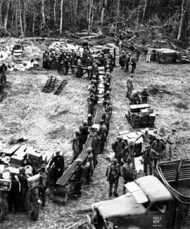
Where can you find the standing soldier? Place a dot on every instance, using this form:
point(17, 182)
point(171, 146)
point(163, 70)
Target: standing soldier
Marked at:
point(133, 65)
point(43, 184)
point(89, 166)
point(144, 95)
point(76, 146)
point(102, 133)
point(158, 146)
point(172, 139)
point(149, 156)
point(130, 86)
point(84, 132)
point(77, 175)
point(127, 172)
point(24, 189)
point(95, 147)
point(13, 200)
point(127, 62)
point(122, 60)
point(118, 147)
point(59, 164)
point(112, 174)
point(129, 152)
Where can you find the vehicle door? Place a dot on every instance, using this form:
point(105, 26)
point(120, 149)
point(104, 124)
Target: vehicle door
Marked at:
point(158, 215)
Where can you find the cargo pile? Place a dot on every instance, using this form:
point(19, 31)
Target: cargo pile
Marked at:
point(165, 55)
point(141, 116)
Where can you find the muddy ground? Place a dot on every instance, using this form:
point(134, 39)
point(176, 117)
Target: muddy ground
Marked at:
point(49, 122)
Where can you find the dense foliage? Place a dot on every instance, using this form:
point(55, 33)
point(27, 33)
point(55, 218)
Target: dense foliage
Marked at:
point(47, 17)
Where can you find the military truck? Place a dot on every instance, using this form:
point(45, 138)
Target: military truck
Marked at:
point(151, 201)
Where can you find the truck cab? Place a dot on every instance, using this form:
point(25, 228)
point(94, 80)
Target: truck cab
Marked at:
point(147, 204)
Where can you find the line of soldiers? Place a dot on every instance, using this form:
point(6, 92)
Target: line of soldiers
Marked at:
point(71, 60)
point(98, 135)
point(155, 147)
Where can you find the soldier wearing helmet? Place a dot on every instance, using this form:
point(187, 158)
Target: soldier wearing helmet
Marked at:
point(76, 145)
point(118, 147)
point(77, 177)
point(58, 164)
point(112, 174)
point(102, 133)
point(84, 132)
point(89, 166)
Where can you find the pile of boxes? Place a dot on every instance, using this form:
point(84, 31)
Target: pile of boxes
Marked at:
point(141, 116)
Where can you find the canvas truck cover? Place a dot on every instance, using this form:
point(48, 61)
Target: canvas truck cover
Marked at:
point(121, 206)
point(154, 189)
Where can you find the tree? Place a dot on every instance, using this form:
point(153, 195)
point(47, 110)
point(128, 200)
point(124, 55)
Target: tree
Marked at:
point(61, 18)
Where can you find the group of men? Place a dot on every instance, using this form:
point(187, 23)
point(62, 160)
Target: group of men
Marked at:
point(136, 96)
point(24, 197)
point(78, 62)
point(155, 147)
point(129, 61)
point(100, 80)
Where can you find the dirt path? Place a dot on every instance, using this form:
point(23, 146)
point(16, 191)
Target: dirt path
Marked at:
point(55, 121)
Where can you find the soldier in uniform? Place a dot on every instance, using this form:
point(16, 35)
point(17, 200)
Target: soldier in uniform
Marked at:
point(172, 140)
point(127, 172)
point(149, 156)
point(77, 177)
point(95, 147)
point(135, 97)
point(89, 166)
point(160, 147)
point(76, 146)
point(127, 62)
point(43, 184)
point(102, 133)
point(144, 95)
point(118, 147)
point(13, 200)
point(112, 174)
point(84, 132)
point(59, 165)
point(122, 60)
point(129, 86)
point(129, 152)
point(24, 189)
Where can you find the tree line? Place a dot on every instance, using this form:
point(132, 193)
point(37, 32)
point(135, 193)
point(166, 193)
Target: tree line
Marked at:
point(46, 17)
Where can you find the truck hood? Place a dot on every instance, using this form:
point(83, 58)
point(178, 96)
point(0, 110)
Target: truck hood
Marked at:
point(121, 206)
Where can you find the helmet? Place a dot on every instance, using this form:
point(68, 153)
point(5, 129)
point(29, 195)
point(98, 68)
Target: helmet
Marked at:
point(22, 170)
point(114, 160)
point(158, 137)
point(119, 137)
point(85, 123)
point(131, 143)
point(89, 149)
point(79, 161)
point(146, 129)
point(43, 166)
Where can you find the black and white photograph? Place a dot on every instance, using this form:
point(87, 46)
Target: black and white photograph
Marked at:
point(94, 114)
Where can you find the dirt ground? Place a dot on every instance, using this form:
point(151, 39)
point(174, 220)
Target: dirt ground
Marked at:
point(49, 122)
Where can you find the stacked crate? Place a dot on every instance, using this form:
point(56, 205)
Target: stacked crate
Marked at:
point(144, 118)
point(151, 120)
point(136, 120)
point(141, 116)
